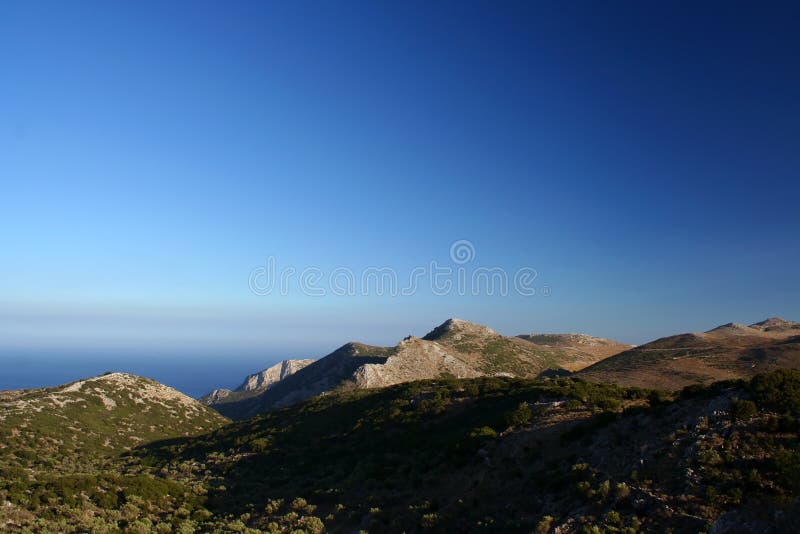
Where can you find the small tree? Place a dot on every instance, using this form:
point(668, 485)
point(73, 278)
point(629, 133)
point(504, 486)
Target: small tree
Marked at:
point(742, 410)
point(520, 416)
point(545, 524)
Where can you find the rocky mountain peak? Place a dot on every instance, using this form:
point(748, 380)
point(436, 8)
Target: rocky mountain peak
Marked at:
point(455, 327)
point(731, 328)
point(772, 326)
point(776, 323)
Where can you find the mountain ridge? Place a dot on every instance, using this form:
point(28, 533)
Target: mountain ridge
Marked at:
point(728, 351)
point(455, 348)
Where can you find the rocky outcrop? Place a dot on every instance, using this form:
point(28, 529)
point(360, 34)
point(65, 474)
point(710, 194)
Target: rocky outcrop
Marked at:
point(255, 383)
point(267, 377)
point(777, 325)
point(216, 396)
point(415, 359)
point(455, 329)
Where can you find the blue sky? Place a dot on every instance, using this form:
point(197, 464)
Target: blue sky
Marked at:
point(642, 158)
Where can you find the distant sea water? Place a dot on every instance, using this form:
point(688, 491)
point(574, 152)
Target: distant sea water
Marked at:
point(191, 373)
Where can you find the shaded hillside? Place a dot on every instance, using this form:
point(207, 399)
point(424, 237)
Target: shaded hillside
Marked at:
point(325, 374)
point(726, 352)
point(508, 455)
point(456, 348)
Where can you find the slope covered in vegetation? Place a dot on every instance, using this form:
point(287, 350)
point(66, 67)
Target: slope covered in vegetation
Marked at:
point(504, 454)
point(489, 454)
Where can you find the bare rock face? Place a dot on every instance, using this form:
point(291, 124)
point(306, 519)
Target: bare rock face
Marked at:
point(415, 359)
point(256, 383)
point(216, 396)
point(456, 329)
point(276, 373)
point(778, 325)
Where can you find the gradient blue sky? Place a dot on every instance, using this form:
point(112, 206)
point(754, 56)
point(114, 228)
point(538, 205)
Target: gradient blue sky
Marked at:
point(643, 157)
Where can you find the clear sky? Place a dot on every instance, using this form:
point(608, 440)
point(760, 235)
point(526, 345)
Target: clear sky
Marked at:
point(643, 158)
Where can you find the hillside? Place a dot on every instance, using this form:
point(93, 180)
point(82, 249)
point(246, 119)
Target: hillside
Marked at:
point(490, 353)
point(585, 350)
point(256, 383)
point(82, 422)
point(335, 370)
point(490, 454)
point(508, 455)
point(456, 348)
point(726, 352)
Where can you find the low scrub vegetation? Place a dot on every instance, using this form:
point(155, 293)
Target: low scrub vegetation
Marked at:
point(488, 454)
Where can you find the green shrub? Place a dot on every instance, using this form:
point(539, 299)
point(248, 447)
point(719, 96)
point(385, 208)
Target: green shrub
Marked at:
point(299, 504)
point(483, 433)
point(604, 488)
point(622, 490)
point(787, 464)
point(313, 525)
point(430, 520)
point(610, 405)
point(520, 416)
point(658, 398)
point(544, 525)
point(742, 410)
point(613, 518)
point(259, 445)
point(779, 390)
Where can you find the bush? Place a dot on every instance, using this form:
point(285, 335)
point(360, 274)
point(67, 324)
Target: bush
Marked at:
point(622, 490)
point(259, 445)
point(483, 433)
point(787, 464)
point(520, 416)
point(658, 398)
point(711, 495)
point(545, 524)
point(140, 526)
point(742, 410)
point(779, 390)
point(613, 518)
point(299, 504)
point(604, 488)
point(610, 405)
point(430, 520)
point(313, 525)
